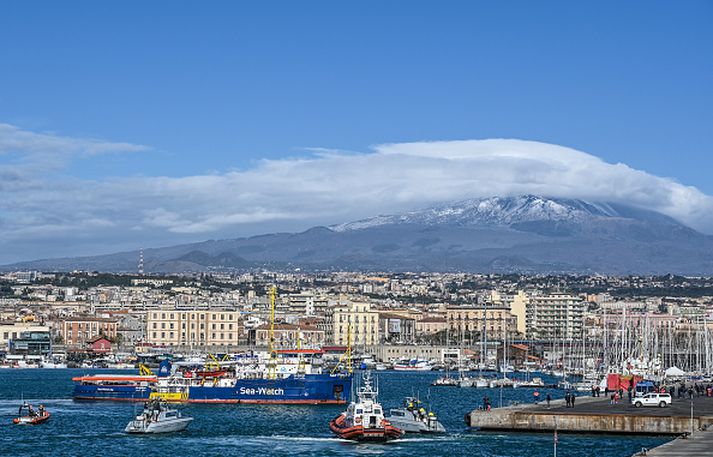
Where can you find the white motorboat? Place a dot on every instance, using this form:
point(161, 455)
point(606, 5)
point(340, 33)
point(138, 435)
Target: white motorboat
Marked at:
point(413, 418)
point(157, 418)
point(445, 381)
point(534, 382)
point(481, 382)
point(412, 365)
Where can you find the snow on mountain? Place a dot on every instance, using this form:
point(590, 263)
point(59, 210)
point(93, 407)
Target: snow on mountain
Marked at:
point(493, 211)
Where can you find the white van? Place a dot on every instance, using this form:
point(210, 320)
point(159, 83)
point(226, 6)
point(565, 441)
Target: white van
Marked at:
point(652, 399)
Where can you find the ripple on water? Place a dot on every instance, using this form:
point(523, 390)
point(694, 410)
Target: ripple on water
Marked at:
point(87, 428)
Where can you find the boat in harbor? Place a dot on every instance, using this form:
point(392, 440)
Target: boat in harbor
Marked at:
point(412, 365)
point(414, 418)
point(158, 418)
point(535, 382)
point(115, 387)
point(28, 416)
point(288, 377)
point(445, 381)
point(364, 418)
point(278, 376)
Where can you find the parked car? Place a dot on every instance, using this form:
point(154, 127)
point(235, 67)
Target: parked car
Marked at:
point(652, 399)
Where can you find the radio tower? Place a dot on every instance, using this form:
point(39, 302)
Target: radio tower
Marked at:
point(141, 261)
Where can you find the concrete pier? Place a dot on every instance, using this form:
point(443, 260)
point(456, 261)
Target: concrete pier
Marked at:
point(698, 444)
point(596, 415)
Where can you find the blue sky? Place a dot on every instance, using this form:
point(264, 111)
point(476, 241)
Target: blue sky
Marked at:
point(202, 88)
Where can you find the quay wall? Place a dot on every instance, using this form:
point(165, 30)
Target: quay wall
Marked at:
point(594, 418)
point(586, 423)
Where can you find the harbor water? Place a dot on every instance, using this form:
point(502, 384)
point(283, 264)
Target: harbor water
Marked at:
point(96, 428)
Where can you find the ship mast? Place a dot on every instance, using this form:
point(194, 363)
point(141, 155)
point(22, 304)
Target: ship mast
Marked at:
point(272, 363)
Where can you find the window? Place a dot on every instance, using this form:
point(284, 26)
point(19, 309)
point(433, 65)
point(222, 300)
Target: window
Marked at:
point(163, 334)
point(154, 334)
point(155, 325)
point(230, 326)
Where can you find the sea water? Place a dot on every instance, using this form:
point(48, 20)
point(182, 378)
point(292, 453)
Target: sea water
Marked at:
point(96, 428)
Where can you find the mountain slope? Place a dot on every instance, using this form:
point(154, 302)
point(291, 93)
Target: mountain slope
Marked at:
point(526, 233)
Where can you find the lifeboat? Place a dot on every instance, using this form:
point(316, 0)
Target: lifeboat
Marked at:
point(364, 419)
point(28, 416)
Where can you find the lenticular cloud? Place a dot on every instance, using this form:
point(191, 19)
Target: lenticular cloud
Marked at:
point(326, 187)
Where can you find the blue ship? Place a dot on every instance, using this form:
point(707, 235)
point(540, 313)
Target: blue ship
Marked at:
point(281, 385)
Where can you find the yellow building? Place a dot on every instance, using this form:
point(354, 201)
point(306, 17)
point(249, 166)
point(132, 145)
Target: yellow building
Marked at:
point(363, 320)
point(193, 327)
point(517, 303)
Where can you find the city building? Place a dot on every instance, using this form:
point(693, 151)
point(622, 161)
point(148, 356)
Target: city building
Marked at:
point(33, 342)
point(287, 336)
point(12, 330)
point(467, 322)
point(555, 316)
point(428, 326)
point(517, 303)
point(193, 327)
point(395, 328)
point(355, 317)
point(81, 329)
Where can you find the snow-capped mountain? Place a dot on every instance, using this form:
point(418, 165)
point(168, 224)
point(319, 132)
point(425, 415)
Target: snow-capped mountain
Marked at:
point(498, 211)
point(528, 233)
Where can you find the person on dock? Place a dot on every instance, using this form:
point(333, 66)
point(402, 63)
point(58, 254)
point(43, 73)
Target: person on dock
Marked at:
point(548, 399)
point(486, 403)
point(571, 400)
point(594, 390)
point(567, 399)
point(628, 391)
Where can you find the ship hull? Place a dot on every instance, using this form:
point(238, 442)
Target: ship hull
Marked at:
point(310, 389)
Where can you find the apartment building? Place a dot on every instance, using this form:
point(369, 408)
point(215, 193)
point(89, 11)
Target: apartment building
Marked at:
point(359, 316)
point(467, 322)
point(517, 303)
point(194, 327)
point(555, 316)
point(78, 330)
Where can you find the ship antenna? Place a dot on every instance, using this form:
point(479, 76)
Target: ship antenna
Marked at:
point(273, 356)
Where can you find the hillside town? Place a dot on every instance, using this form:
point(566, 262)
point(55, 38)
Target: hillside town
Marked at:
point(486, 321)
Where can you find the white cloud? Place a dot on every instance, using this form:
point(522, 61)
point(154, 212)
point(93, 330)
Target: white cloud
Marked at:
point(330, 187)
point(16, 140)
